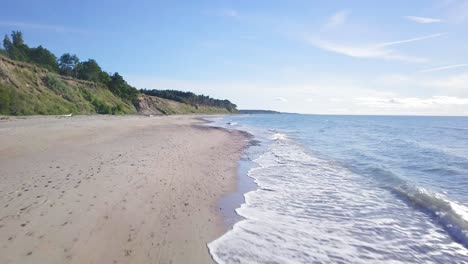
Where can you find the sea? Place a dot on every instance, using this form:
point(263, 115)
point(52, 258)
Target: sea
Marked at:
point(350, 189)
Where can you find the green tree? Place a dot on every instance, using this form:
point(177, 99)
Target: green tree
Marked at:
point(89, 70)
point(192, 99)
point(17, 37)
point(121, 88)
point(105, 78)
point(43, 57)
point(16, 49)
point(7, 45)
point(67, 64)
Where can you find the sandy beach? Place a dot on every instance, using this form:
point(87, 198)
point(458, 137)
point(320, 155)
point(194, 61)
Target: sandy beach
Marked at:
point(104, 189)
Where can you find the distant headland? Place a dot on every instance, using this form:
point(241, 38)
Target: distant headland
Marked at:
point(257, 111)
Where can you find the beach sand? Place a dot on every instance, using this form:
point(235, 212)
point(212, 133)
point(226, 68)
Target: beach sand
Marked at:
point(104, 189)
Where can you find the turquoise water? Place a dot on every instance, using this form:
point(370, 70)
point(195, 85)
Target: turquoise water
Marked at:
point(352, 189)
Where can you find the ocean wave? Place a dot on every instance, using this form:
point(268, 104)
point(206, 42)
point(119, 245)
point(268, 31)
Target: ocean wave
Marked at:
point(309, 209)
point(451, 215)
point(453, 128)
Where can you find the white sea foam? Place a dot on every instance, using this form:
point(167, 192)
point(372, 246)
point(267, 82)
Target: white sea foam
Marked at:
point(312, 210)
point(451, 215)
point(279, 136)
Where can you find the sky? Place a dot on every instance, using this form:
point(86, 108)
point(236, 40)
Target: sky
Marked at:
point(394, 57)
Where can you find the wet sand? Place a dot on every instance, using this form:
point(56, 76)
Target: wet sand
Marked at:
point(103, 189)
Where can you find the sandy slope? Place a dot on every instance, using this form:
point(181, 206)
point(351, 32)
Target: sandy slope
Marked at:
point(112, 189)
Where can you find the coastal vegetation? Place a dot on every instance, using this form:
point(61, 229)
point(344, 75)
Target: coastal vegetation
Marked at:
point(191, 99)
point(35, 81)
point(26, 89)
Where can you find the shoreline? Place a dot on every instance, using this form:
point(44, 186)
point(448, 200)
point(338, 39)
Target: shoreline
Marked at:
point(125, 189)
point(244, 183)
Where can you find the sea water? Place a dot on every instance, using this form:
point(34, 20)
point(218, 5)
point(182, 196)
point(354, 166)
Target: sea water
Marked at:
point(351, 189)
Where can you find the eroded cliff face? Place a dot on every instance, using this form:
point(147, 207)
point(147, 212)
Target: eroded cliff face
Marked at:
point(151, 105)
point(27, 89)
point(148, 105)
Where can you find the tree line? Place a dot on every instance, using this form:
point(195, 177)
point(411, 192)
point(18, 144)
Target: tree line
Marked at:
point(191, 98)
point(70, 65)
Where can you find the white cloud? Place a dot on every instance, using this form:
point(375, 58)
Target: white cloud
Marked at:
point(424, 20)
point(371, 51)
point(281, 99)
point(378, 51)
point(454, 84)
point(411, 40)
point(38, 26)
point(447, 67)
point(336, 100)
point(412, 102)
point(337, 19)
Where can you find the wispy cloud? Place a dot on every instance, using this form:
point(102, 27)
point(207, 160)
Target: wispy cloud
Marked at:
point(39, 26)
point(411, 40)
point(281, 99)
point(424, 20)
point(447, 84)
point(337, 19)
point(412, 102)
point(447, 67)
point(371, 51)
point(377, 51)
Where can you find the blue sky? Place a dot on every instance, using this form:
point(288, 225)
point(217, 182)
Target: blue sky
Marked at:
point(325, 57)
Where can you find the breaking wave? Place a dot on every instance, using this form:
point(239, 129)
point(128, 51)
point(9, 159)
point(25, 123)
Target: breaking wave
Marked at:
point(452, 216)
point(309, 209)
